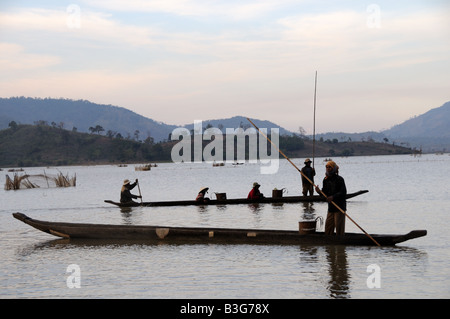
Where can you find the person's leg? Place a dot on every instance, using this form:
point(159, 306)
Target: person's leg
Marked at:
point(340, 223)
point(329, 224)
point(304, 190)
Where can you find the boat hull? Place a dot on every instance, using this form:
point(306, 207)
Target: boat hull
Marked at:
point(236, 201)
point(207, 235)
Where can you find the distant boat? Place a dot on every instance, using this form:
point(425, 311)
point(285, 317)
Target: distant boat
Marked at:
point(184, 235)
point(145, 167)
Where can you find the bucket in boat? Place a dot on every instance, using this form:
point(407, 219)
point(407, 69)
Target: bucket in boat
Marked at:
point(309, 227)
point(221, 196)
point(278, 193)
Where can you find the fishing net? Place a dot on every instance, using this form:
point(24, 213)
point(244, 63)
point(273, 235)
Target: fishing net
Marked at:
point(39, 180)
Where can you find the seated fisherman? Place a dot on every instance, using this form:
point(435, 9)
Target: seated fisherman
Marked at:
point(254, 192)
point(201, 195)
point(125, 194)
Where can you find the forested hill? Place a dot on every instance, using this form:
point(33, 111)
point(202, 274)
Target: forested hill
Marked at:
point(80, 115)
point(429, 131)
point(45, 145)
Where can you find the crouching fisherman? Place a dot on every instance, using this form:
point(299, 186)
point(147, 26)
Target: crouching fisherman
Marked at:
point(201, 195)
point(125, 193)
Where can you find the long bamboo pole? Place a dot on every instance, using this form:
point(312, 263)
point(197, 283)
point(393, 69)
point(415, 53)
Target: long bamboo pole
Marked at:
point(314, 119)
point(309, 180)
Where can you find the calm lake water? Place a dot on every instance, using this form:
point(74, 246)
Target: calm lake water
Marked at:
point(405, 193)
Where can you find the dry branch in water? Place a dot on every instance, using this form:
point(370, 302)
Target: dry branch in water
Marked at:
point(39, 180)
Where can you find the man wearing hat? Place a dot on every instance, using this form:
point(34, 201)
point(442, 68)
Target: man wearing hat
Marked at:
point(310, 173)
point(254, 192)
point(335, 191)
point(201, 195)
point(125, 194)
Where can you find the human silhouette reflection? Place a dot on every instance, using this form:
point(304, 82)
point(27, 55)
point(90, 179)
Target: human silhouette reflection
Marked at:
point(131, 215)
point(308, 212)
point(338, 284)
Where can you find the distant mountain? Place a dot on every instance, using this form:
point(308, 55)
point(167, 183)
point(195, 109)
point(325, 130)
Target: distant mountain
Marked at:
point(434, 123)
point(82, 115)
point(429, 131)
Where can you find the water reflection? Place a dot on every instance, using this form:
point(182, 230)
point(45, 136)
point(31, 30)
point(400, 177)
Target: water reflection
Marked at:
point(339, 281)
point(127, 216)
point(67, 244)
point(131, 215)
point(255, 207)
point(333, 274)
point(202, 208)
point(126, 210)
point(308, 211)
point(321, 270)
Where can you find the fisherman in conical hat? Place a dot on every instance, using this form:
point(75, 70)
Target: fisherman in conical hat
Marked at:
point(201, 195)
point(335, 190)
point(310, 172)
point(254, 192)
point(125, 194)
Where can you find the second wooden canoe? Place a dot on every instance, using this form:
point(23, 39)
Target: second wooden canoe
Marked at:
point(235, 201)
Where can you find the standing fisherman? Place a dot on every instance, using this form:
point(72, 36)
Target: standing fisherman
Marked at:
point(335, 190)
point(309, 172)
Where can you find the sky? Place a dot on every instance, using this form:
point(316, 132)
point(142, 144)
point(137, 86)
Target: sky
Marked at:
point(378, 63)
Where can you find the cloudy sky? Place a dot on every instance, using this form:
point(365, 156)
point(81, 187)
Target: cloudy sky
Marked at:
point(379, 63)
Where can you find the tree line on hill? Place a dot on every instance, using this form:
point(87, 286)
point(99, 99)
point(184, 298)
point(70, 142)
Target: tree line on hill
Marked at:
point(44, 144)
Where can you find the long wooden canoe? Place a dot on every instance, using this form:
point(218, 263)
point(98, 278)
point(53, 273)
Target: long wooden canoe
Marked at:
point(182, 235)
point(287, 199)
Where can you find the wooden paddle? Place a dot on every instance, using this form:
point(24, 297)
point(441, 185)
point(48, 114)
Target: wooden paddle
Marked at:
point(340, 209)
point(139, 188)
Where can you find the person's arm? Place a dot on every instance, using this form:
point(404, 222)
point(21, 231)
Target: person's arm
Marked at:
point(133, 185)
point(320, 192)
point(341, 189)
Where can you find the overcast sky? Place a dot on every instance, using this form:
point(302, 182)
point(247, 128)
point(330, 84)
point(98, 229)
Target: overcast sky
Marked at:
point(176, 61)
